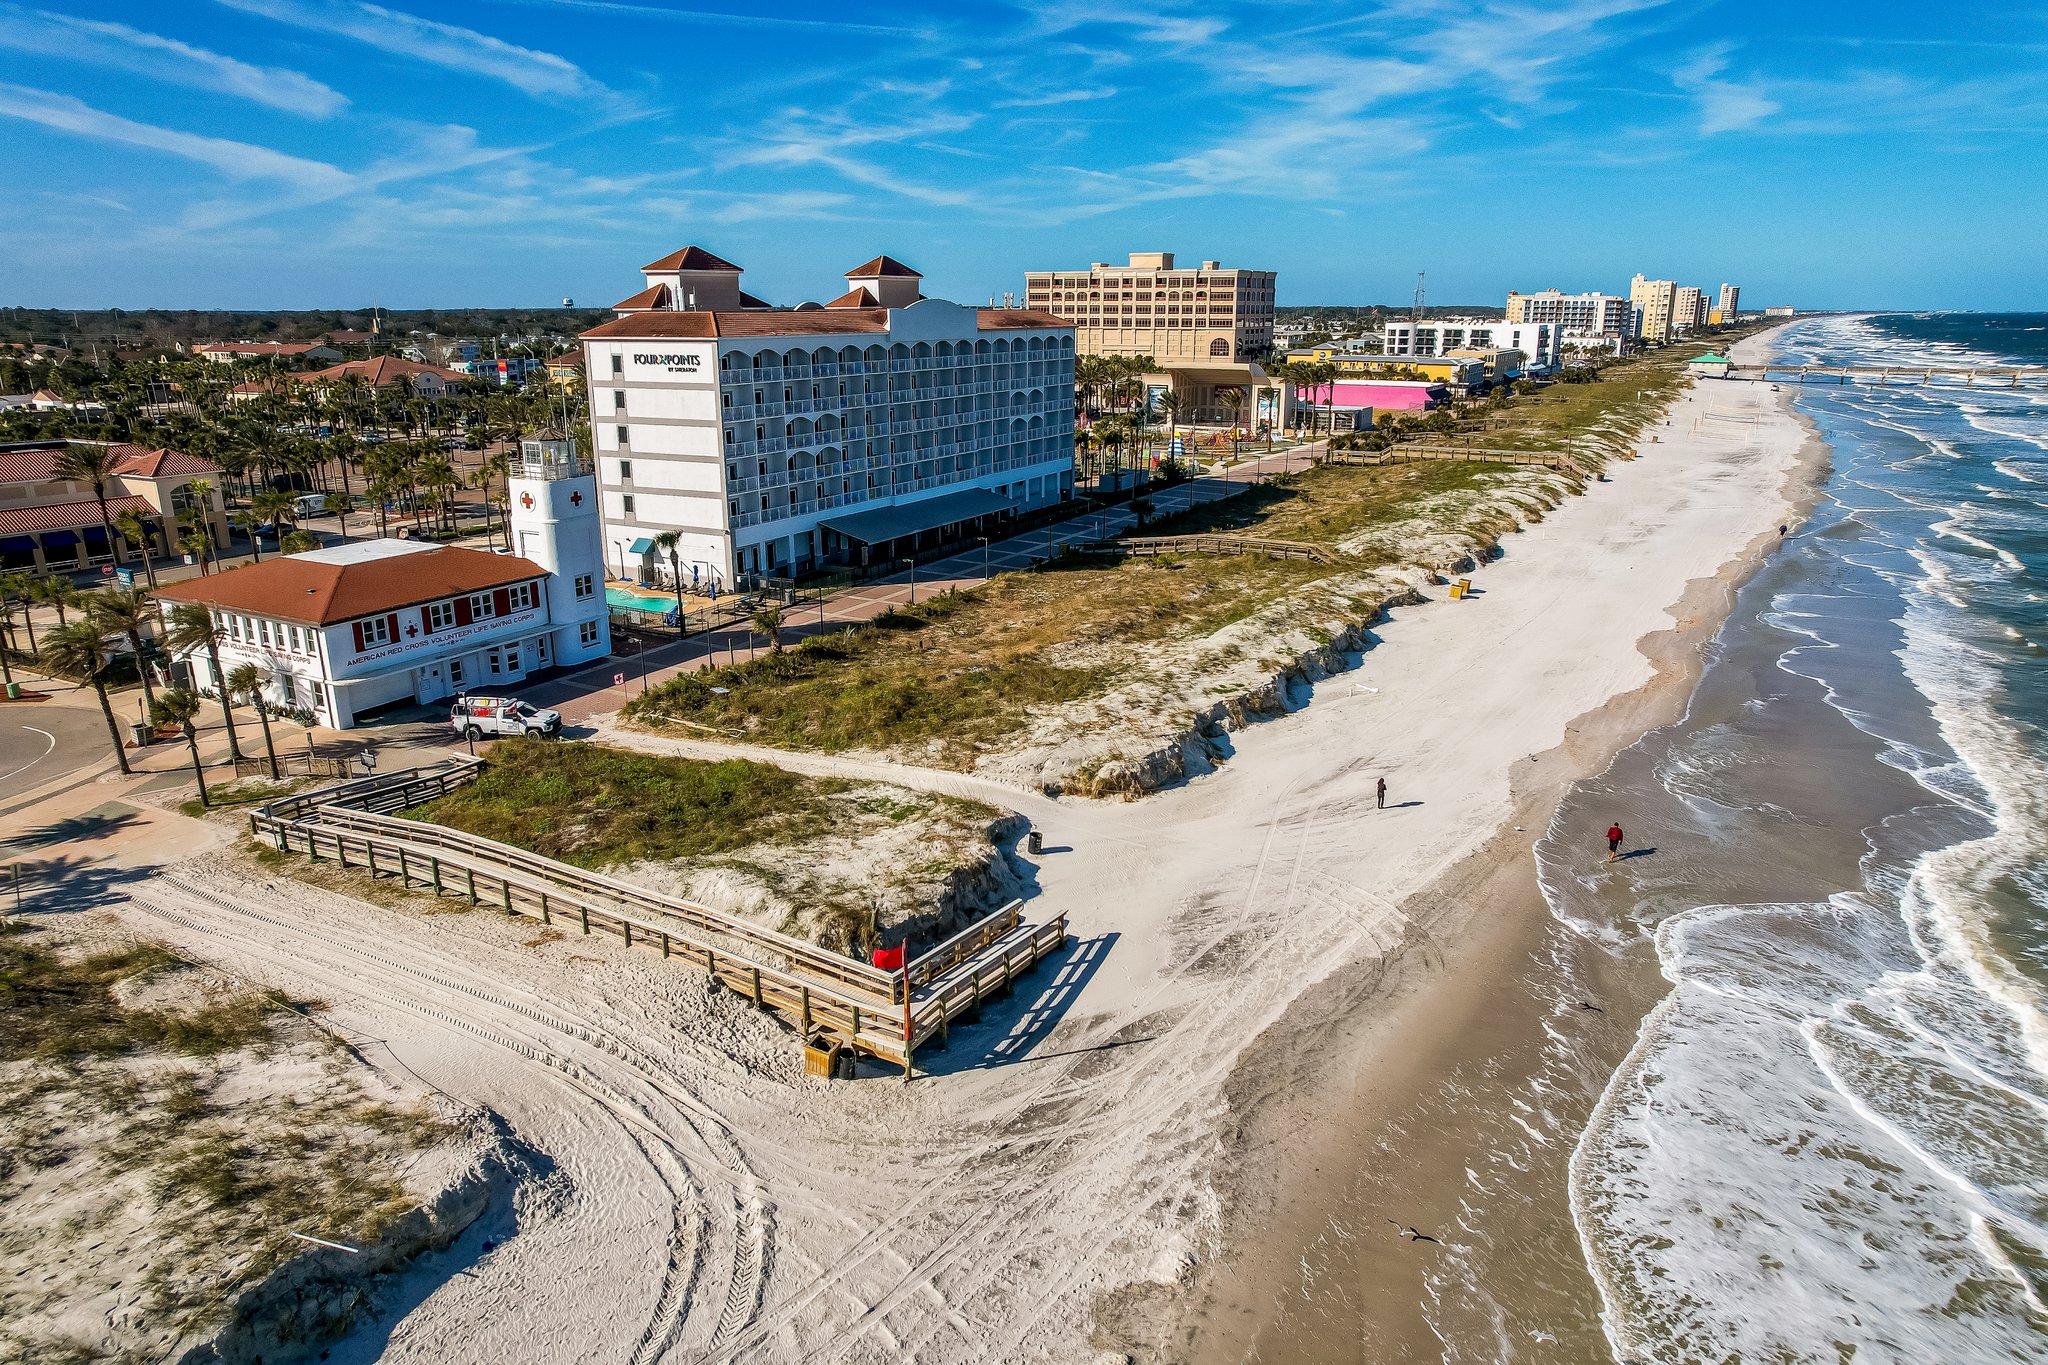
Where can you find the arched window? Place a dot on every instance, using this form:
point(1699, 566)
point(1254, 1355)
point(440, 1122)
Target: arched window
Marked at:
point(1219, 347)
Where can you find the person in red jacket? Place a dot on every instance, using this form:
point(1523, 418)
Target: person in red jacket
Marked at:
point(1614, 838)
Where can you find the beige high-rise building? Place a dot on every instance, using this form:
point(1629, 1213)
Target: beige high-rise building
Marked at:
point(1688, 309)
point(1205, 327)
point(1730, 297)
point(1575, 315)
point(1655, 304)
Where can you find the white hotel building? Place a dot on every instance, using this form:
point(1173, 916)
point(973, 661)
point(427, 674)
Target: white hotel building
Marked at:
point(1541, 343)
point(781, 440)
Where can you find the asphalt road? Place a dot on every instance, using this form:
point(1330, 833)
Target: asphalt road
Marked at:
point(42, 741)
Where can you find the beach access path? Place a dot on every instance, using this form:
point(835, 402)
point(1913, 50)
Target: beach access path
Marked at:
point(707, 1204)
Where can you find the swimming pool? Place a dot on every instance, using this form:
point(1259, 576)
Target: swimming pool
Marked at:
point(629, 600)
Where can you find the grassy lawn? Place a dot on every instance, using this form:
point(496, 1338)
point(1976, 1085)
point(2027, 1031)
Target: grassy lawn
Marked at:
point(1331, 503)
point(594, 806)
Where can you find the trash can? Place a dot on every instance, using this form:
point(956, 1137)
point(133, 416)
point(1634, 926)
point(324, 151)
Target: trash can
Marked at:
point(140, 733)
point(1035, 841)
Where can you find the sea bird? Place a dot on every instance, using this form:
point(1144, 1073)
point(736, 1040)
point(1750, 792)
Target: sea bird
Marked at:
point(1412, 1235)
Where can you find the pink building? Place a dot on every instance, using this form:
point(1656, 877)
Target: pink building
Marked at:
point(1385, 395)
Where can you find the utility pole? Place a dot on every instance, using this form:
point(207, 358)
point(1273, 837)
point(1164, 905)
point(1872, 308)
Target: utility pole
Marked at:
point(1416, 315)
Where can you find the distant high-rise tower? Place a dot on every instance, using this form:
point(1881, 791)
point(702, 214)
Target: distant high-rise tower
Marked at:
point(1653, 302)
point(1730, 294)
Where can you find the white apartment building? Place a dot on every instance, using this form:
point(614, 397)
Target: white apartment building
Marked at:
point(775, 441)
point(1577, 316)
point(1727, 306)
point(1541, 343)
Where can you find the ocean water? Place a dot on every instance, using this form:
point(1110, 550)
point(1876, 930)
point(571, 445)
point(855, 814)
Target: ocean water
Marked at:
point(1831, 1139)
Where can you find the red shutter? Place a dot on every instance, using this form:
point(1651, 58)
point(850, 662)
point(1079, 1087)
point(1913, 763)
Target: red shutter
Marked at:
point(357, 626)
point(391, 622)
point(503, 597)
point(462, 616)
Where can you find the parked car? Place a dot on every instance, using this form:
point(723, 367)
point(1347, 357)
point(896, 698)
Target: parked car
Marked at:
point(475, 717)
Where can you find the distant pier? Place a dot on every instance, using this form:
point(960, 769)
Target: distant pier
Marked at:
point(1974, 376)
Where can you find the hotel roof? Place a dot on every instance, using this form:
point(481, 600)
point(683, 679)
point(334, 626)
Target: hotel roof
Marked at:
point(324, 587)
point(805, 322)
point(379, 370)
point(690, 258)
point(883, 265)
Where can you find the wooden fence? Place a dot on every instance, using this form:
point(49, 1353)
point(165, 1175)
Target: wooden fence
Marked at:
point(1408, 454)
point(885, 1014)
point(293, 765)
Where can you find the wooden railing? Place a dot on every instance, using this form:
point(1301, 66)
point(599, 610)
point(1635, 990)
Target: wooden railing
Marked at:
point(1212, 544)
point(1408, 454)
point(883, 1013)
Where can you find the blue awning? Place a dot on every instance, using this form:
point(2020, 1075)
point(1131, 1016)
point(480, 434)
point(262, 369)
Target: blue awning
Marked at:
point(95, 533)
point(879, 525)
point(640, 546)
point(60, 537)
point(18, 545)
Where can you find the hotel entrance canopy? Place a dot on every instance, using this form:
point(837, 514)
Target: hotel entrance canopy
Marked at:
point(883, 524)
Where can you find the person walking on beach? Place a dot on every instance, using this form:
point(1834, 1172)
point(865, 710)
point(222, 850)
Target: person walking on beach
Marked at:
point(1614, 838)
point(1382, 793)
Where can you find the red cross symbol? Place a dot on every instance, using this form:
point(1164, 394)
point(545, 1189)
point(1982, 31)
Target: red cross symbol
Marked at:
point(575, 499)
point(412, 630)
point(526, 500)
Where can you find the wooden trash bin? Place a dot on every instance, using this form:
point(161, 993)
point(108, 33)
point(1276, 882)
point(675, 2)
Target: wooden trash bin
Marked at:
point(824, 1057)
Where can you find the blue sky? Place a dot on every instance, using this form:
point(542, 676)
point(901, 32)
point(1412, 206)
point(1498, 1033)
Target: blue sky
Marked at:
point(303, 153)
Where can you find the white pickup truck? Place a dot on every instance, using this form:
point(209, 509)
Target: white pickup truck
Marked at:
point(475, 717)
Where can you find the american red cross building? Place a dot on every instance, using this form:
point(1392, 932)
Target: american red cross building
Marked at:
point(347, 631)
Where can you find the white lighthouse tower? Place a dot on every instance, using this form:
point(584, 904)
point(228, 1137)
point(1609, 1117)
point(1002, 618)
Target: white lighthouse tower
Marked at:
point(555, 524)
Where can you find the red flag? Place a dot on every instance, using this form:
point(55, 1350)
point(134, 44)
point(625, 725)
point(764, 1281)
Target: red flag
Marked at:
point(888, 959)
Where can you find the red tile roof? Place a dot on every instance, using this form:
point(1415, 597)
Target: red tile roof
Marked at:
point(293, 588)
point(31, 464)
point(883, 265)
point(749, 301)
point(691, 258)
point(379, 370)
point(657, 297)
point(857, 298)
point(256, 347)
point(1008, 319)
point(161, 464)
point(66, 516)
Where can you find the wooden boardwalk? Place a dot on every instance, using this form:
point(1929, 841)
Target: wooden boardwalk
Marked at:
point(840, 1000)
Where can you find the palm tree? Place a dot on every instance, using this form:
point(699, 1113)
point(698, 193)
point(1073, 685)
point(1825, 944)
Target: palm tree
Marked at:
point(248, 520)
point(180, 707)
point(194, 628)
point(247, 681)
point(1170, 404)
point(670, 543)
point(124, 612)
point(1232, 398)
point(56, 590)
point(78, 650)
point(19, 587)
point(135, 530)
point(199, 546)
point(768, 620)
point(92, 464)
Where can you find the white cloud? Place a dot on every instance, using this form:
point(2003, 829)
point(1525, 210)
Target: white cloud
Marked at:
point(236, 160)
point(543, 75)
point(104, 43)
point(1725, 106)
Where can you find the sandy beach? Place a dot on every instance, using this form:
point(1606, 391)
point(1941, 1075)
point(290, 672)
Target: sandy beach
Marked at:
point(1271, 975)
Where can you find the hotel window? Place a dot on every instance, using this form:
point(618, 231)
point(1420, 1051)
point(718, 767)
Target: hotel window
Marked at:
point(587, 633)
point(586, 584)
point(625, 470)
point(481, 606)
point(618, 400)
point(624, 439)
point(618, 365)
point(440, 615)
point(627, 505)
point(725, 399)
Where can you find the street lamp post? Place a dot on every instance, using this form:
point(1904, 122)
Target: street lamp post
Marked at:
point(912, 562)
point(984, 558)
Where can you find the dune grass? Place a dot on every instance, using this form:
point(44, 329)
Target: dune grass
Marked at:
point(594, 806)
